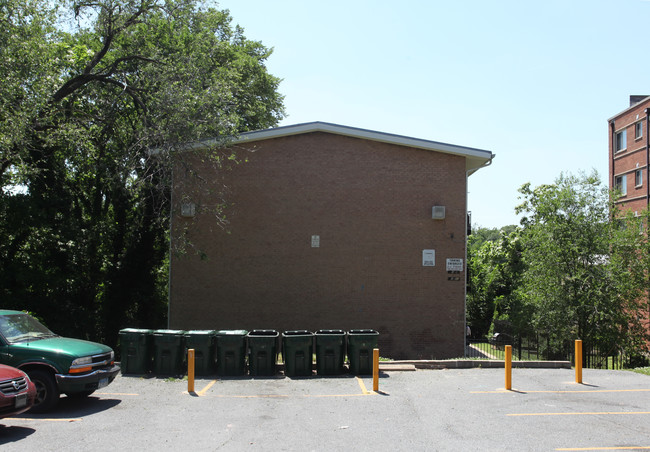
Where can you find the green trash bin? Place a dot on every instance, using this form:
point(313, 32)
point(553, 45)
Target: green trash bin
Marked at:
point(231, 352)
point(297, 352)
point(262, 352)
point(136, 351)
point(330, 352)
point(168, 352)
point(204, 344)
point(360, 346)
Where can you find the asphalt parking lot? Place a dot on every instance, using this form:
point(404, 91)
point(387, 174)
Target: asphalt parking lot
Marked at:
point(463, 409)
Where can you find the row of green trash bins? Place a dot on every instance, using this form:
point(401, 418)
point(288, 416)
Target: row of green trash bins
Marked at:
point(227, 352)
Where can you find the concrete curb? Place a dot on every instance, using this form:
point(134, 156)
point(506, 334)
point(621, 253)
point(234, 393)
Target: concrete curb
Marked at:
point(472, 363)
point(392, 367)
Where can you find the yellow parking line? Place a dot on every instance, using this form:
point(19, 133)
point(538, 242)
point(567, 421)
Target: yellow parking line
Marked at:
point(607, 448)
point(284, 396)
point(44, 420)
point(364, 391)
point(204, 390)
point(254, 396)
point(498, 391)
point(117, 393)
point(202, 393)
point(339, 395)
point(593, 413)
point(503, 391)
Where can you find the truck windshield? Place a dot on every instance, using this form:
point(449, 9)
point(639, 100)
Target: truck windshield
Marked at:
point(22, 327)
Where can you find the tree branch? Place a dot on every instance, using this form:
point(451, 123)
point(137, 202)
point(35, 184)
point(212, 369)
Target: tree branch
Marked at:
point(83, 79)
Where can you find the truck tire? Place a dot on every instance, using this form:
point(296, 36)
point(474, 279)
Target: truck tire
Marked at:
point(47, 392)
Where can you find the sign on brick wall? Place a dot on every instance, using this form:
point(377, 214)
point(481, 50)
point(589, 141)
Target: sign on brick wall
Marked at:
point(428, 258)
point(454, 265)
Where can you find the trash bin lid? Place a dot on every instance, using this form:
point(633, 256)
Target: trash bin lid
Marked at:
point(232, 333)
point(331, 332)
point(364, 332)
point(200, 333)
point(298, 333)
point(169, 332)
point(135, 331)
point(270, 333)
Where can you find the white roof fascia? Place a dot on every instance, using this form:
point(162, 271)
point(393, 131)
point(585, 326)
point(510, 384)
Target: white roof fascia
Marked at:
point(475, 158)
point(628, 109)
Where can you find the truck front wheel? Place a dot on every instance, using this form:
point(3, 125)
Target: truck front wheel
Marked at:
point(47, 392)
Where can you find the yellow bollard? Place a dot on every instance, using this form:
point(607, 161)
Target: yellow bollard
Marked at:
point(375, 369)
point(578, 361)
point(508, 367)
point(190, 370)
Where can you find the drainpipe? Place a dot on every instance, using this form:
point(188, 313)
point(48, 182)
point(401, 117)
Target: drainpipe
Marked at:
point(171, 246)
point(612, 126)
point(485, 165)
point(647, 155)
point(647, 167)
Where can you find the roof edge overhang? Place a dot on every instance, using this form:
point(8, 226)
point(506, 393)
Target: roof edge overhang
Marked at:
point(475, 158)
point(636, 105)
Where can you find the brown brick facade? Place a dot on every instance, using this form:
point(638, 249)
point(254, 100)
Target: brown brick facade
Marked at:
point(370, 205)
point(626, 162)
point(631, 159)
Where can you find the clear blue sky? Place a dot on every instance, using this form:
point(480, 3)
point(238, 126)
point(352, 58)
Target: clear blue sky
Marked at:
point(533, 82)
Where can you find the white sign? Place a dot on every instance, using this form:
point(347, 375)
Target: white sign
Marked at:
point(315, 241)
point(454, 265)
point(428, 258)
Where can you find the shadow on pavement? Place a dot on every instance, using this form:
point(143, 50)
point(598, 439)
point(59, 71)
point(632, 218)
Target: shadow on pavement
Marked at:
point(12, 434)
point(74, 408)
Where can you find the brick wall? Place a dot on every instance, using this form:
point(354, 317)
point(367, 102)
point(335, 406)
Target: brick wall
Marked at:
point(369, 203)
point(628, 161)
point(633, 158)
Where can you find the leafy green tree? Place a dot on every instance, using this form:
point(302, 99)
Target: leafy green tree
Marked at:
point(630, 260)
point(495, 266)
point(578, 281)
point(99, 98)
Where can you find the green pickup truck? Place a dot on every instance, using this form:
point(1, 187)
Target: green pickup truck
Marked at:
point(57, 365)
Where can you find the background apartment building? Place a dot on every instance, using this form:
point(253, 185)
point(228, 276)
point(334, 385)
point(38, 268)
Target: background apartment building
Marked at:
point(628, 154)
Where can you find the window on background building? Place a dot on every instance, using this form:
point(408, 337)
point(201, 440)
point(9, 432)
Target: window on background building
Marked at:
point(638, 178)
point(621, 140)
point(620, 182)
point(638, 130)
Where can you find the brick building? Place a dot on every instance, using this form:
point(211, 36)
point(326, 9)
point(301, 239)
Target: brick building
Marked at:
point(628, 154)
point(629, 158)
point(328, 227)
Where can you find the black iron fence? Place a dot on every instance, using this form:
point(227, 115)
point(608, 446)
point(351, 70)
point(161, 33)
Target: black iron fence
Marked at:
point(538, 348)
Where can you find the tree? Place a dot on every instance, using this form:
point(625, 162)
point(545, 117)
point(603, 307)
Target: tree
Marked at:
point(630, 257)
point(577, 279)
point(93, 112)
point(495, 267)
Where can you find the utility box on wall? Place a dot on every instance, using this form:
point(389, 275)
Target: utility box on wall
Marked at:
point(188, 209)
point(428, 258)
point(438, 212)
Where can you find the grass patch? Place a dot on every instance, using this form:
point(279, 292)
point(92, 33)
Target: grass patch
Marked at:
point(642, 370)
point(175, 379)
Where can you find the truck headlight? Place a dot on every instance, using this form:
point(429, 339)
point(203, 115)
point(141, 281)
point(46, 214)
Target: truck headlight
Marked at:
point(82, 361)
point(81, 365)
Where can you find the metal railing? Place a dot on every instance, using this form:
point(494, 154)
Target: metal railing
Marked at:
point(540, 349)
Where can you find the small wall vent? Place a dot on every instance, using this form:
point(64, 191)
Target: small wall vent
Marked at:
point(188, 209)
point(438, 212)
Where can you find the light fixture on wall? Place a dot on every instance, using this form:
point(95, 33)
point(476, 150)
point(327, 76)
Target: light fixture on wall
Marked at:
point(438, 212)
